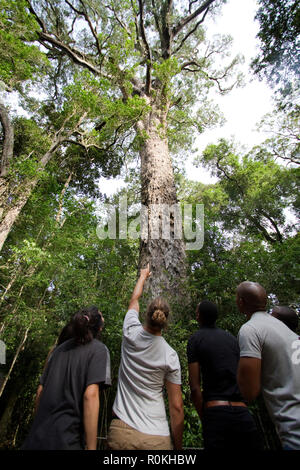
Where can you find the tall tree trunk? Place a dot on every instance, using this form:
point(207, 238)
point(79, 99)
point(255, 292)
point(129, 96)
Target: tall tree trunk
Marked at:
point(9, 215)
point(8, 139)
point(167, 257)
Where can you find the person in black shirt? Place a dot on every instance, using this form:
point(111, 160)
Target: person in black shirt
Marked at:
point(67, 403)
point(287, 315)
point(213, 356)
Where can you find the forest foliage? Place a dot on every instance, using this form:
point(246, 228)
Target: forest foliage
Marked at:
point(76, 126)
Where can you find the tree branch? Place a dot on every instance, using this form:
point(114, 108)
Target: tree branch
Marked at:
point(59, 139)
point(61, 198)
point(148, 51)
point(38, 19)
point(156, 19)
point(261, 228)
point(166, 32)
point(273, 223)
point(118, 20)
point(290, 159)
point(88, 20)
point(191, 31)
point(138, 44)
point(87, 146)
point(190, 5)
point(77, 56)
point(191, 62)
point(184, 21)
point(199, 67)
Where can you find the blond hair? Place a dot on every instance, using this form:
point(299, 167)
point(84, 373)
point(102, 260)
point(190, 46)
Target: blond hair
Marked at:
point(157, 313)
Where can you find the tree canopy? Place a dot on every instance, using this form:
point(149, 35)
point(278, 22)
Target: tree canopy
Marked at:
point(279, 32)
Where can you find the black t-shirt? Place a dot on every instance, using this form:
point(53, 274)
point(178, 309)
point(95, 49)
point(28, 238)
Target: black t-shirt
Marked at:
point(217, 352)
point(58, 424)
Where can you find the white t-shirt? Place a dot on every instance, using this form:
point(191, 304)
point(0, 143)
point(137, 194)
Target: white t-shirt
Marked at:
point(270, 340)
point(146, 362)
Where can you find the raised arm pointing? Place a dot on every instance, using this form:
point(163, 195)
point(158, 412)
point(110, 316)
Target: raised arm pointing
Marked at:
point(138, 290)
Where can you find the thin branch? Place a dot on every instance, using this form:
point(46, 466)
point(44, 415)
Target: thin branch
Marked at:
point(190, 5)
point(284, 157)
point(77, 56)
point(156, 19)
point(185, 67)
point(38, 19)
point(93, 30)
point(62, 127)
point(61, 198)
point(81, 13)
point(106, 39)
point(191, 17)
point(138, 44)
point(19, 349)
point(191, 31)
point(278, 234)
point(261, 228)
point(72, 27)
point(217, 80)
point(119, 20)
point(60, 139)
point(87, 146)
point(191, 62)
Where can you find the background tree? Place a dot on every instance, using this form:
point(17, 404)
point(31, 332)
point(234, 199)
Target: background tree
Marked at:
point(279, 32)
point(253, 191)
point(283, 127)
point(278, 61)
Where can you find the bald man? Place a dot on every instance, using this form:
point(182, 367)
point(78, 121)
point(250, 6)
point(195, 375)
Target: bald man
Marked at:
point(269, 362)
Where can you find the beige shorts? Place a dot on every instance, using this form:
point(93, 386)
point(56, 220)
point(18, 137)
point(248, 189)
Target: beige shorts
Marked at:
point(124, 437)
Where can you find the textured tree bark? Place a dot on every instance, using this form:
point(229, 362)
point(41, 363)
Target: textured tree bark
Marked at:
point(8, 139)
point(10, 215)
point(167, 257)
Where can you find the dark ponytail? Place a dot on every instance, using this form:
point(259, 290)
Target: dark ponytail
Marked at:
point(65, 334)
point(86, 324)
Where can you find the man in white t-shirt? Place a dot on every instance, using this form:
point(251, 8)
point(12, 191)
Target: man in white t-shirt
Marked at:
point(269, 362)
point(148, 364)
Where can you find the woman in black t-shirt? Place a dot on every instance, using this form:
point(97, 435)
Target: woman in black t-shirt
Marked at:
point(68, 394)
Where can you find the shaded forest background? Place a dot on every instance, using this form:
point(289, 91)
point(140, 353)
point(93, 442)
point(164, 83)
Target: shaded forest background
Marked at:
point(77, 127)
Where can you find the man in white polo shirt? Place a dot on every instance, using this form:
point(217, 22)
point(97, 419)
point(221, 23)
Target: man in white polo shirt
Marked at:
point(269, 362)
